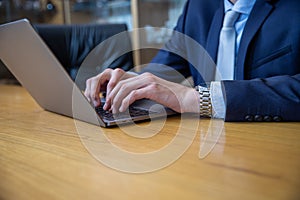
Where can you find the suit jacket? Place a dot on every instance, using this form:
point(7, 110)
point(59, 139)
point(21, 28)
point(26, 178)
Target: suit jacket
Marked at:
point(267, 72)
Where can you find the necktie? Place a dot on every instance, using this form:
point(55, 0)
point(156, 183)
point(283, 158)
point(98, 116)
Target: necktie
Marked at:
point(226, 51)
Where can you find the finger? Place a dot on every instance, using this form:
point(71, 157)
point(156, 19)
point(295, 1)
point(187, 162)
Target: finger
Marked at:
point(126, 85)
point(94, 85)
point(95, 91)
point(134, 96)
point(116, 76)
point(87, 90)
point(124, 88)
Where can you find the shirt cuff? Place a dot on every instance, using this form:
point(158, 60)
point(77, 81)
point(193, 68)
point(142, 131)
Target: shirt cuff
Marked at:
point(217, 100)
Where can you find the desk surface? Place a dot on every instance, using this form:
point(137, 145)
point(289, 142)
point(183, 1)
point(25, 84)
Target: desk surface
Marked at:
point(43, 157)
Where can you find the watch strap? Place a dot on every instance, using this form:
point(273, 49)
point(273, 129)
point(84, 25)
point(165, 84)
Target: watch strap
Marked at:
point(205, 101)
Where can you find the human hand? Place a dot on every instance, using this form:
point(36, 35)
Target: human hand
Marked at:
point(175, 96)
point(104, 81)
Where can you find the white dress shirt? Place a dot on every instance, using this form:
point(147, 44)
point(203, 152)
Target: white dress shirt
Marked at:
point(244, 7)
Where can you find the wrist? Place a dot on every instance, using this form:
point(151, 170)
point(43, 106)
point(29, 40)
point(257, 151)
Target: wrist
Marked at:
point(191, 101)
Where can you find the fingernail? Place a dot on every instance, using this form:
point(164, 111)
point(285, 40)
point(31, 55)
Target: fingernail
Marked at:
point(95, 103)
point(113, 110)
point(121, 109)
point(105, 106)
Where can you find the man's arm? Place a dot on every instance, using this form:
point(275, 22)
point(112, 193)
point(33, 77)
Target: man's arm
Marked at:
point(270, 99)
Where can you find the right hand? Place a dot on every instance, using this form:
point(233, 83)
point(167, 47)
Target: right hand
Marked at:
point(104, 81)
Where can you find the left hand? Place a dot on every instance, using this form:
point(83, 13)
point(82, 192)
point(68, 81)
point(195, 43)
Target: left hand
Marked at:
point(175, 96)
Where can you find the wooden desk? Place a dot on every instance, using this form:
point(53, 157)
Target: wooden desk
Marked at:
point(42, 157)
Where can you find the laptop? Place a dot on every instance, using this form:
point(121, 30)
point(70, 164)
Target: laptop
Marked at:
point(34, 65)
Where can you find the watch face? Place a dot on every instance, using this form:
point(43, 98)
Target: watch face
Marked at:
point(204, 85)
point(202, 89)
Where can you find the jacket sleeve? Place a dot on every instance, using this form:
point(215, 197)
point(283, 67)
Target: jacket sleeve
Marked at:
point(270, 99)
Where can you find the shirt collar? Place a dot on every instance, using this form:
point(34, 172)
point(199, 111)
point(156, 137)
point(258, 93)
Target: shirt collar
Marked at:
point(241, 6)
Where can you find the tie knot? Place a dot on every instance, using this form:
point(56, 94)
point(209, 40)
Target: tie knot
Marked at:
point(230, 18)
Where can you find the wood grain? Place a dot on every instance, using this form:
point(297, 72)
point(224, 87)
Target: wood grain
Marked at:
point(42, 157)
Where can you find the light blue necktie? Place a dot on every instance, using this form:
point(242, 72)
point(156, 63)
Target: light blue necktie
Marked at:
point(226, 51)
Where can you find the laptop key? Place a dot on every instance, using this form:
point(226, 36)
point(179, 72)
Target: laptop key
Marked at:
point(133, 112)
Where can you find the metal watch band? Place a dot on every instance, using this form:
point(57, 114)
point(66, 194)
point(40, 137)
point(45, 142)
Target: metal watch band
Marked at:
point(205, 101)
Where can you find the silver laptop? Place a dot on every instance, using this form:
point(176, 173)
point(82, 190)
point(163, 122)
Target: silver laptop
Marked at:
point(27, 56)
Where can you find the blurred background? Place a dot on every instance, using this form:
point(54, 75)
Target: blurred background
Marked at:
point(147, 14)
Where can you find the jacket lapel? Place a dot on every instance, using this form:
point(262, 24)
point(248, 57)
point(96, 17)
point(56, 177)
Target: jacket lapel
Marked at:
point(213, 34)
point(260, 11)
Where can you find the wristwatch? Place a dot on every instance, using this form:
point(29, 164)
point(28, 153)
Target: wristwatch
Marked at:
point(205, 101)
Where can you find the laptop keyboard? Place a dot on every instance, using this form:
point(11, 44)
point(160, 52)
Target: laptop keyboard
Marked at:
point(133, 111)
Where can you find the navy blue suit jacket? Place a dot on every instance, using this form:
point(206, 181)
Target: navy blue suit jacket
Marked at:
point(267, 72)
